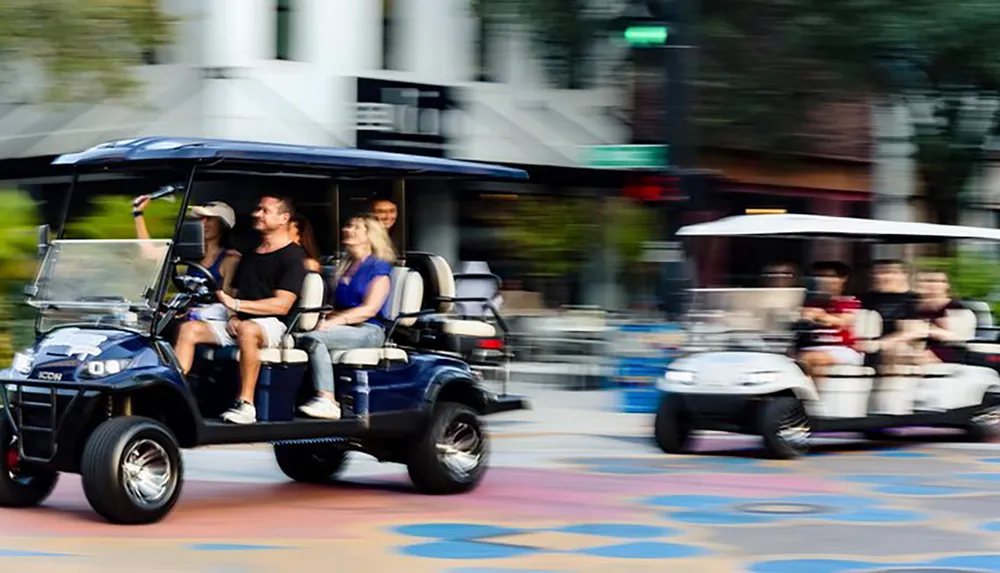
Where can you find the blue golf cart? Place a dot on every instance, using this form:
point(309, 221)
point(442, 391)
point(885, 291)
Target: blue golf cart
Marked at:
point(100, 393)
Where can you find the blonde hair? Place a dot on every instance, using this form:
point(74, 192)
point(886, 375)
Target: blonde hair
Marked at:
point(378, 240)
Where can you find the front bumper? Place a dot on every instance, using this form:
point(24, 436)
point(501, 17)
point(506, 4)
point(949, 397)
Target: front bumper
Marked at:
point(508, 403)
point(42, 413)
point(730, 413)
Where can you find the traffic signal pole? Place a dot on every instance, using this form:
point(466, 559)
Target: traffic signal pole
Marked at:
point(680, 70)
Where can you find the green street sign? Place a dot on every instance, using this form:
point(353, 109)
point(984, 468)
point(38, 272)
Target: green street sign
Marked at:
point(627, 156)
point(648, 35)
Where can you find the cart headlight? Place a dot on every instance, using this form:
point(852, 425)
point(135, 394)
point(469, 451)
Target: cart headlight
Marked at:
point(759, 378)
point(23, 362)
point(680, 376)
point(102, 368)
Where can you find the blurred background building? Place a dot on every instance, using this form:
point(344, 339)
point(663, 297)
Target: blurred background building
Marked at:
point(445, 78)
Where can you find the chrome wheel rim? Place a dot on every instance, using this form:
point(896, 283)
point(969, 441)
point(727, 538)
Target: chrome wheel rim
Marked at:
point(989, 418)
point(147, 473)
point(460, 448)
point(794, 429)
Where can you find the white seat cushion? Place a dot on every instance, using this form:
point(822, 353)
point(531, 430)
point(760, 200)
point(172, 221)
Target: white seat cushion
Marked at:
point(985, 347)
point(474, 328)
point(368, 356)
point(294, 356)
point(267, 355)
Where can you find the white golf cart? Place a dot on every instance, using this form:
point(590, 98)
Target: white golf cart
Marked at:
point(740, 374)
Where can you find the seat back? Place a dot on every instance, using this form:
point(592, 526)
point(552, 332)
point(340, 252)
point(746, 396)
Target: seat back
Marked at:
point(867, 328)
point(963, 323)
point(311, 296)
point(406, 294)
point(438, 280)
point(984, 318)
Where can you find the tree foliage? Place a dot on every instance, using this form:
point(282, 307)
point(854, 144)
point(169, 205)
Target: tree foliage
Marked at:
point(768, 68)
point(18, 245)
point(82, 50)
point(556, 236)
point(110, 218)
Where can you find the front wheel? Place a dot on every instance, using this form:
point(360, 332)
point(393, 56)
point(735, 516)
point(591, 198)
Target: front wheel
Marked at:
point(310, 463)
point(132, 470)
point(452, 455)
point(785, 427)
point(20, 484)
point(672, 428)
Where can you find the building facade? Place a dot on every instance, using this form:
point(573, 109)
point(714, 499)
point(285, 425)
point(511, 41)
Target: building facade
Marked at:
point(415, 76)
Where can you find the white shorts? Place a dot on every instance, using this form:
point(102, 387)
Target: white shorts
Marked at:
point(840, 354)
point(272, 328)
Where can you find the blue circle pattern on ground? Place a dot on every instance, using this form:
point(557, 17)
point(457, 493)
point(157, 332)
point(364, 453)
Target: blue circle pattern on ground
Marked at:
point(651, 466)
point(723, 510)
point(917, 486)
point(965, 563)
point(477, 541)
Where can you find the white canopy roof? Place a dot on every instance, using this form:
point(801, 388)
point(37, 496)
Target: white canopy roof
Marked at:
point(792, 225)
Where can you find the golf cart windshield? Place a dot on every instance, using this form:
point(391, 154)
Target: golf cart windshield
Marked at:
point(106, 282)
point(757, 319)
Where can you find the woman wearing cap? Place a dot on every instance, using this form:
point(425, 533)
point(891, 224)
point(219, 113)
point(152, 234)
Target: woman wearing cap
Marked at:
point(218, 219)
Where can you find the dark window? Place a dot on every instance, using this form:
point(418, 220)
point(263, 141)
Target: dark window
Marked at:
point(484, 63)
point(389, 51)
point(283, 30)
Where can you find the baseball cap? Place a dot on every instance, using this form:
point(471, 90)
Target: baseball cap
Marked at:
point(217, 209)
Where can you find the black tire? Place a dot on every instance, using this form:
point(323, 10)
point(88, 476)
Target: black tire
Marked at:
point(109, 491)
point(310, 463)
point(778, 416)
point(429, 471)
point(984, 425)
point(21, 487)
point(671, 429)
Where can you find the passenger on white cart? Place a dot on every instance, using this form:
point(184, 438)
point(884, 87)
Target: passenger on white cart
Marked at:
point(898, 306)
point(935, 304)
point(831, 313)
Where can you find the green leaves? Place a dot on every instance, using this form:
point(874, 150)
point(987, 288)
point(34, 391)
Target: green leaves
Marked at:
point(557, 235)
point(972, 276)
point(83, 49)
point(111, 218)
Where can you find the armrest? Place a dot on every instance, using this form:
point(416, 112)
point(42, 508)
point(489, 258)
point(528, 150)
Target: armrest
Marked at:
point(488, 303)
point(296, 314)
point(403, 316)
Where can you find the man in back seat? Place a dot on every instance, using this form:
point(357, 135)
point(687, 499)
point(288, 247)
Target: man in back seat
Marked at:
point(893, 300)
point(361, 286)
point(266, 286)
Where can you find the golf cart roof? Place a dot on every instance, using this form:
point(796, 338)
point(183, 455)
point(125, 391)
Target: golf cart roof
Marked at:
point(152, 149)
point(795, 225)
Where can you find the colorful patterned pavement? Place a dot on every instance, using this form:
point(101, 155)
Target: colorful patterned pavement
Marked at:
point(580, 501)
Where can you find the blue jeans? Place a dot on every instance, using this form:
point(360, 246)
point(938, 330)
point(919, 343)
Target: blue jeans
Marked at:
point(319, 343)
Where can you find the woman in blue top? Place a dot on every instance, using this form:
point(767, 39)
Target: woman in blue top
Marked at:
point(361, 285)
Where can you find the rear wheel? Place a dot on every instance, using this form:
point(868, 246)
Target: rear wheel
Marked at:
point(672, 429)
point(132, 470)
point(785, 427)
point(453, 454)
point(310, 463)
point(20, 484)
point(984, 425)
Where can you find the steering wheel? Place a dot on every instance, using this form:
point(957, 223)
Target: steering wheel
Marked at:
point(201, 288)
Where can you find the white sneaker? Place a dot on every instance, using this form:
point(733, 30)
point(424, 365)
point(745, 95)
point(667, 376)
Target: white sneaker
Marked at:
point(241, 413)
point(321, 407)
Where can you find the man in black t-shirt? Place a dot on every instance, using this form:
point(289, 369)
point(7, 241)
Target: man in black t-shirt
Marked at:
point(893, 300)
point(266, 285)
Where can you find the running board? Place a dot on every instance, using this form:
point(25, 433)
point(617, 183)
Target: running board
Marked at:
point(215, 432)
